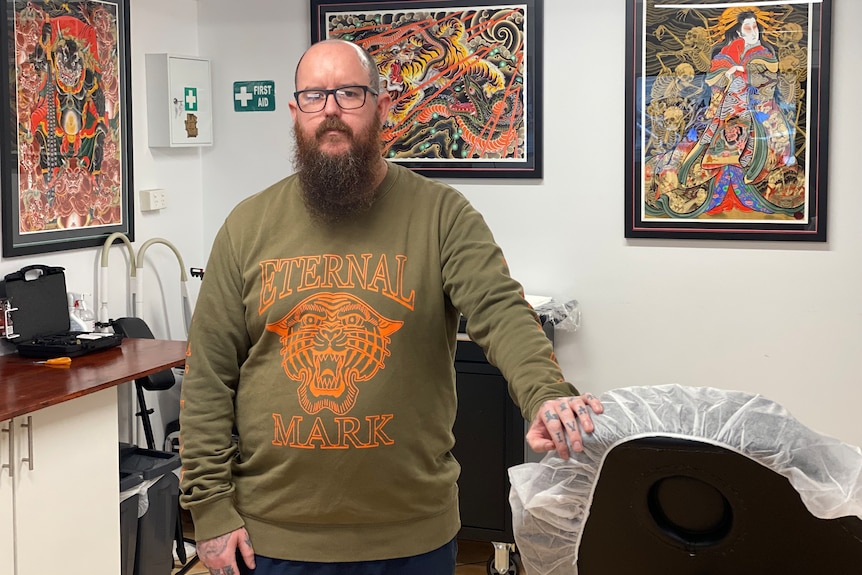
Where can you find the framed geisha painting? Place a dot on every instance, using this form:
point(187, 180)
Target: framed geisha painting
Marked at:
point(727, 119)
point(66, 145)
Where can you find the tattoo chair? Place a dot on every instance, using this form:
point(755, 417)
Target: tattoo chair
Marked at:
point(692, 481)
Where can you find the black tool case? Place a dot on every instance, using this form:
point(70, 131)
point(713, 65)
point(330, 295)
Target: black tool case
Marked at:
point(37, 294)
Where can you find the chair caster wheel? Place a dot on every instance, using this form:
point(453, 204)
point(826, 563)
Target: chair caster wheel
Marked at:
point(502, 561)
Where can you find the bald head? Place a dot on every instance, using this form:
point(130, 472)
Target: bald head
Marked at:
point(340, 50)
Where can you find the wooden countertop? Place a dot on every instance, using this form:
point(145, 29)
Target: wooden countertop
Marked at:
point(26, 387)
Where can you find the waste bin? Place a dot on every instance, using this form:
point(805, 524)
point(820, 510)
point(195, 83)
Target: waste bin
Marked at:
point(129, 486)
point(161, 488)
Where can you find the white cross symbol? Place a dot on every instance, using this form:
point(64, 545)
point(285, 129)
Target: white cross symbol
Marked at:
point(243, 96)
point(190, 99)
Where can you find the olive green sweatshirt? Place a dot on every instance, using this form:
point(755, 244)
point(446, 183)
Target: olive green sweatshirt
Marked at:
point(319, 396)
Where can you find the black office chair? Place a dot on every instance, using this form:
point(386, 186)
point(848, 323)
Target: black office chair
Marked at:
point(159, 381)
point(692, 481)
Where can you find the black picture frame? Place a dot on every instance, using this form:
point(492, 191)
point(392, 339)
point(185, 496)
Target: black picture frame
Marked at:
point(66, 150)
point(476, 111)
point(727, 137)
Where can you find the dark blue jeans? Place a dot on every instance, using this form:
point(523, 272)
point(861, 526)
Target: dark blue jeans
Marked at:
point(438, 562)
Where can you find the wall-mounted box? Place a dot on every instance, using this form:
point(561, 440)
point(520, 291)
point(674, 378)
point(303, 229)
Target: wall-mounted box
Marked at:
point(179, 101)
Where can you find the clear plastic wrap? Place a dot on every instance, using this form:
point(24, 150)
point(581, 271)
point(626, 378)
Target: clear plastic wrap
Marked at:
point(551, 499)
point(564, 316)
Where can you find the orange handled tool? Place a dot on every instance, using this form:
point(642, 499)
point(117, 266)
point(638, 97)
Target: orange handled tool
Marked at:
point(57, 362)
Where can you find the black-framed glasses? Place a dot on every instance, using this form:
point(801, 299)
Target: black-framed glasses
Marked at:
point(347, 98)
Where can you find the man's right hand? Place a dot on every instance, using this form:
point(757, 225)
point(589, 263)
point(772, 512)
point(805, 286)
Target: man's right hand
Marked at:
point(219, 553)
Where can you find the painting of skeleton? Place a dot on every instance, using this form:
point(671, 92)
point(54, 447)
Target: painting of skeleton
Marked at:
point(67, 107)
point(458, 78)
point(727, 113)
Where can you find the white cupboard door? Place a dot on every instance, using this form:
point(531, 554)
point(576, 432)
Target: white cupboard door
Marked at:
point(7, 539)
point(67, 515)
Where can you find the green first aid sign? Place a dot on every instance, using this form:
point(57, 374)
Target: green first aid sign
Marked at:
point(254, 96)
point(190, 99)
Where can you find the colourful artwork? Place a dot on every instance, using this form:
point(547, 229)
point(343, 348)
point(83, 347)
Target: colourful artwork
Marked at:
point(730, 119)
point(459, 77)
point(68, 119)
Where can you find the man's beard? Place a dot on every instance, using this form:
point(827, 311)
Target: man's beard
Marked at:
point(336, 186)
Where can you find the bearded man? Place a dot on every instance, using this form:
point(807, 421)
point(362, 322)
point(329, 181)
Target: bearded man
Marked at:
point(319, 396)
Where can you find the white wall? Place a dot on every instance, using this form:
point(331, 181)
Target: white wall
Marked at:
point(252, 150)
point(782, 318)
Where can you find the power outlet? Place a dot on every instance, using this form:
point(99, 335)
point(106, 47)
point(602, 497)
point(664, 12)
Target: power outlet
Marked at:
point(152, 200)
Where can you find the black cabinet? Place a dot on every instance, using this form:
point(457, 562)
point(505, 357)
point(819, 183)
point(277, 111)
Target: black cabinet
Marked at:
point(489, 438)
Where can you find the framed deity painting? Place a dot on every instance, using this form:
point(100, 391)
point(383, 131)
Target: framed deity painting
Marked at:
point(727, 117)
point(464, 78)
point(66, 145)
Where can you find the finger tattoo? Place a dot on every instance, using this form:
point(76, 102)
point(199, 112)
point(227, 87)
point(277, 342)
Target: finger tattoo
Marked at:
point(550, 415)
point(572, 426)
point(582, 410)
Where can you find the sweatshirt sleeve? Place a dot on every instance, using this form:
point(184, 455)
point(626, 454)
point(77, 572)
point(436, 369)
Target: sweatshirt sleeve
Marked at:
point(476, 279)
point(218, 346)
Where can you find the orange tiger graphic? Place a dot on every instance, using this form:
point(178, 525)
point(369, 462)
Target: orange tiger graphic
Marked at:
point(331, 342)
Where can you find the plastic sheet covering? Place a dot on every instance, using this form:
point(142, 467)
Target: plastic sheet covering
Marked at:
point(564, 316)
point(142, 490)
point(551, 499)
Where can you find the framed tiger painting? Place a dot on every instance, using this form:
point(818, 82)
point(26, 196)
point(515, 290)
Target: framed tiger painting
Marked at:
point(464, 79)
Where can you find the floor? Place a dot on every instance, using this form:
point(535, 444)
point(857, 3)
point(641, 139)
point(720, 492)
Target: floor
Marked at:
point(472, 558)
